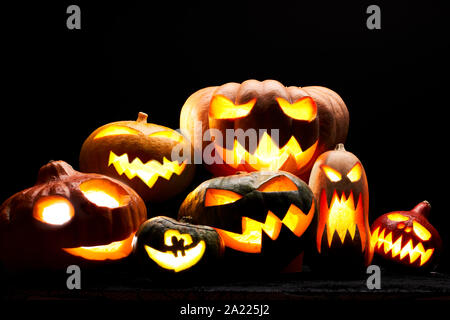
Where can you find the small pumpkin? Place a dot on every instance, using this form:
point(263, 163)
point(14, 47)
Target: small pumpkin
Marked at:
point(139, 154)
point(339, 183)
point(164, 244)
point(309, 120)
point(261, 216)
point(407, 237)
point(69, 217)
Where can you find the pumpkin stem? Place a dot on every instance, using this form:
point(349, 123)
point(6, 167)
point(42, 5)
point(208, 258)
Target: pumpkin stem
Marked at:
point(423, 209)
point(142, 117)
point(54, 170)
point(339, 147)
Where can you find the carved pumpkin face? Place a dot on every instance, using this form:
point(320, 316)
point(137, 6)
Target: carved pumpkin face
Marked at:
point(264, 106)
point(339, 183)
point(175, 246)
point(139, 154)
point(406, 237)
point(68, 217)
point(263, 213)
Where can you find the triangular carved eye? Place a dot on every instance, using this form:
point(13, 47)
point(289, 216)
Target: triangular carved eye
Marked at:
point(223, 108)
point(303, 109)
point(355, 173)
point(278, 184)
point(220, 197)
point(172, 135)
point(331, 174)
point(114, 131)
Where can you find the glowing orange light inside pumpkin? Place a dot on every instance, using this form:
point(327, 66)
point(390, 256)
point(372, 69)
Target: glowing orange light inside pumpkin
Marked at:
point(115, 130)
point(103, 193)
point(331, 174)
point(250, 239)
point(55, 210)
point(355, 173)
point(172, 135)
point(111, 251)
point(278, 184)
point(148, 172)
point(267, 155)
point(341, 217)
point(223, 108)
point(397, 217)
point(219, 197)
point(421, 231)
point(385, 244)
point(174, 260)
point(302, 109)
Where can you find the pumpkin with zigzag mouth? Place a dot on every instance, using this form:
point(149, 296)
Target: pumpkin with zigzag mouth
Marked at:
point(139, 154)
point(261, 216)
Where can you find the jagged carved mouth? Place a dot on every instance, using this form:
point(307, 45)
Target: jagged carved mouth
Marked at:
point(267, 155)
point(340, 216)
point(148, 172)
point(250, 240)
point(399, 248)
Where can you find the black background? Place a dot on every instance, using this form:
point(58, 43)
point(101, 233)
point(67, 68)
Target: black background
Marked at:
point(59, 84)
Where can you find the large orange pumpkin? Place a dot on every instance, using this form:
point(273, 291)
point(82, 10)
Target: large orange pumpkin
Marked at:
point(309, 121)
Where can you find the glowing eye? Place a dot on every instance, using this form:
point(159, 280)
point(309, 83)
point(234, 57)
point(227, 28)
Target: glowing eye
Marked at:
point(172, 135)
point(421, 231)
point(114, 131)
point(55, 210)
point(303, 109)
point(277, 184)
point(103, 193)
point(219, 197)
point(332, 174)
point(355, 173)
point(223, 108)
point(397, 217)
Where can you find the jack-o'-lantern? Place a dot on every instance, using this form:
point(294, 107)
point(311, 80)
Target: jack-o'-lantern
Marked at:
point(139, 154)
point(339, 183)
point(175, 246)
point(407, 238)
point(292, 126)
point(259, 215)
point(69, 217)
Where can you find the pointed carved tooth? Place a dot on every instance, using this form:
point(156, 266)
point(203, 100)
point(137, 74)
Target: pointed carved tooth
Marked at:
point(407, 249)
point(374, 238)
point(426, 256)
point(397, 247)
point(381, 239)
point(388, 242)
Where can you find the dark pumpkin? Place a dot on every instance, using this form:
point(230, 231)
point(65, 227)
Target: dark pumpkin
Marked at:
point(261, 216)
point(67, 213)
point(165, 244)
point(310, 121)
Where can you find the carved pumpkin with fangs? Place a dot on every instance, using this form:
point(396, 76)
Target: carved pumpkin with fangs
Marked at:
point(407, 238)
point(139, 154)
point(69, 217)
point(339, 183)
point(260, 215)
point(293, 126)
